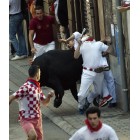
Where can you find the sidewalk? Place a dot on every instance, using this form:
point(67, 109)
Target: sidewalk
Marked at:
point(67, 116)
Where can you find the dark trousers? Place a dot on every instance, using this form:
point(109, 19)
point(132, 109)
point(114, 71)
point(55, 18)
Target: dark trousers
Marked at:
point(12, 49)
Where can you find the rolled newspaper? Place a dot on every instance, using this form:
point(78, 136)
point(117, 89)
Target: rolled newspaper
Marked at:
point(84, 30)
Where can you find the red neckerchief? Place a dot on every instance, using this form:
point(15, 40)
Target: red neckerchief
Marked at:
point(90, 39)
point(36, 83)
point(91, 128)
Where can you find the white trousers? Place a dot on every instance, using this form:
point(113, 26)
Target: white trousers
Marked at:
point(100, 88)
point(86, 81)
point(92, 92)
point(40, 49)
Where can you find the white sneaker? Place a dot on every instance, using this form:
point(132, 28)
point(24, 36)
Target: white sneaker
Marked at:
point(19, 57)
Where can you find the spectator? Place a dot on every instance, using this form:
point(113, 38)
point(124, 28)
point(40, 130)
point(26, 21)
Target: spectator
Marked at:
point(32, 8)
point(42, 27)
point(51, 7)
point(29, 97)
point(55, 5)
point(32, 4)
point(61, 14)
point(16, 28)
point(94, 129)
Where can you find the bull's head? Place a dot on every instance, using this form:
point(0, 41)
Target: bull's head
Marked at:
point(57, 102)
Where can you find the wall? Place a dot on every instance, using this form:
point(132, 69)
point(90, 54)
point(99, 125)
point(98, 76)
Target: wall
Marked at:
point(110, 18)
point(107, 17)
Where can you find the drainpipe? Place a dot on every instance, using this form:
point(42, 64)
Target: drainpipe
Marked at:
point(122, 60)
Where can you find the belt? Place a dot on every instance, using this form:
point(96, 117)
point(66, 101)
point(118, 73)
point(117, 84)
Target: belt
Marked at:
point(90, 69)
point(14, 14)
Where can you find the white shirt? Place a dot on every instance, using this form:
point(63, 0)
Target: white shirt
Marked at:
point(105, 133)
point(15, 6)
point(92, 54)
point(56, 10)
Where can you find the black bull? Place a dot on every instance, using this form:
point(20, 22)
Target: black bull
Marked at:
point(59, 71)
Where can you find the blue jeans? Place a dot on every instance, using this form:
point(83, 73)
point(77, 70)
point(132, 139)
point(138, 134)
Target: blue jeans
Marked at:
point(16, 28)
point(108, 76)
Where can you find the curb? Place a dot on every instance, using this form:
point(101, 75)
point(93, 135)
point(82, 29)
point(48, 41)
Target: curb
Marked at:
point(59, 121)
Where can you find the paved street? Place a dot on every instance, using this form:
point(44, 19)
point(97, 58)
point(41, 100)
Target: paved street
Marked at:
point(51, 131)
point(66, 116)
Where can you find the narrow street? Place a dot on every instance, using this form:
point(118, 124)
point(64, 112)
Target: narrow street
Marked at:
point(66, 119)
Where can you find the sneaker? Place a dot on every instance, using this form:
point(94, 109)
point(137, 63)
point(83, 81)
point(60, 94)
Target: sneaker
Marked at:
point(81, 111)
point(19, 57)
point(105, 101)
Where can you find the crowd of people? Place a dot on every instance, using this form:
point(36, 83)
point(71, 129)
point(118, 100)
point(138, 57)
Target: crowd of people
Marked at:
point(96, 70)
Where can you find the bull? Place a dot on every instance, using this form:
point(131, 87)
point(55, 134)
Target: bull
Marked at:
point(59, 71)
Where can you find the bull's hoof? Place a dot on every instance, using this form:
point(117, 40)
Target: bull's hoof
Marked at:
point(57, 102)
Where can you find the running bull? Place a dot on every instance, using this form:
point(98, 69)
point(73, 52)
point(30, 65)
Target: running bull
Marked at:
point(59, 71)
